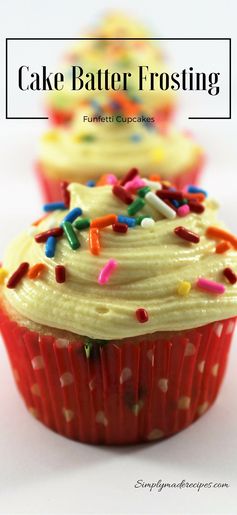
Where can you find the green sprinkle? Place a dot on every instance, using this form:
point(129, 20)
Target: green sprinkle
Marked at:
point(143, 191)
point(88, 347)
point(88, 138)
point(141, 217)
point(71, 235)
point(83, 223)
point(136, 206)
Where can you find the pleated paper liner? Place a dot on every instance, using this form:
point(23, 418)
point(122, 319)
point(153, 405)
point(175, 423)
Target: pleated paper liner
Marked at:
point(52, 192)
point(125, 392)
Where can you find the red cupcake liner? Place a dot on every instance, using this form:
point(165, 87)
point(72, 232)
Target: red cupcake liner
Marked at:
point(134, 390)
point(52, 192)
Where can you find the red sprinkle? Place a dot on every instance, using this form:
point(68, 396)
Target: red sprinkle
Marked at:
point(142, 315)
point(187, 235)
point(65, 192)
point(172, 195)
point(230, 275)
point(196, 207)
point(42, 237)
point(120, 227)
point(129, 176)
point(122, 194)
point(60, 274)
point(18, 274)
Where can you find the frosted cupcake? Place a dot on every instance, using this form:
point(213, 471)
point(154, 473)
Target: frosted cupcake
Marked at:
point(91, 148)
point(105, 349)
point(116, 56)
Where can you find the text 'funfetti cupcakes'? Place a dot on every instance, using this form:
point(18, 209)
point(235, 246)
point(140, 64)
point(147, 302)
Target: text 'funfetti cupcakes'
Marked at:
point(103, 141)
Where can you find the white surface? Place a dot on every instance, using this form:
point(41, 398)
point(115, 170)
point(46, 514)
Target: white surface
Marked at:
point(42, 473)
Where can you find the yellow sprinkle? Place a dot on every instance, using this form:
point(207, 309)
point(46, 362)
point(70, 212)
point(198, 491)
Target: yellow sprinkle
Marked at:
point(198, 149)
point(157, 154)
point(50, 136)
point(3, 275)
point(184, 288)
point(76, 137)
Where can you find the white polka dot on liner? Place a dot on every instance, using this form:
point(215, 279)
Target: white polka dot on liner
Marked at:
point(136, 408)
point(163, 384)
point(101, 418)
point(184, 403)
point(35, 389)
point(155, 434)
point(66, 379)
point(202, 408)
point(151, 356)
point(61, 343)
point(230, 327)
point(201, 366)
point(218, 330)
point(190, 349)
point(68, 414)
point(125, 375)
point(37, 362)
point(215, 369)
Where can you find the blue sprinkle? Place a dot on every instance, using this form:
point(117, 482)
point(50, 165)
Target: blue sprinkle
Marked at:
point(50, 246)
point(52, 206)
point(131, 222)
point(195, 189)
point(136, 137)
point(95, 105)
point(90, 184)
point(73, 214)
point(150, 126)
point(115, 105)
point(175, 203)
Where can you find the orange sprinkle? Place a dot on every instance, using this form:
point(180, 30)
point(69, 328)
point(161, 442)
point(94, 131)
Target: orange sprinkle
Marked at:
point(200, 197)
point(166, 183)
point(103, 180)
point(104, 221)
point(94, 242)
point(154, 178)
point(37, 222)
point(129, 107)
point(36, 270)
point(220, 234)
point(222, 247)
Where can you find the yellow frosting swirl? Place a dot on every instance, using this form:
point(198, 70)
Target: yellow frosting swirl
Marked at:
point(151, 264)
point(89, 149)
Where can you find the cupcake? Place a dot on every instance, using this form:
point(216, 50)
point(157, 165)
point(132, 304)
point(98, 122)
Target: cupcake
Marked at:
point(109, 144)
point(117, 315)
point(116, 56)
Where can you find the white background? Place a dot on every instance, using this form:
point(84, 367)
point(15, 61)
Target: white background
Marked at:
point(40, 472)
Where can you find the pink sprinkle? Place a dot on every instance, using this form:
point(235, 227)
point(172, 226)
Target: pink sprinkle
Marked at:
point(135, 184)
point(183, 210)
point(106, 271)
point(111, 179)
point(210, 286)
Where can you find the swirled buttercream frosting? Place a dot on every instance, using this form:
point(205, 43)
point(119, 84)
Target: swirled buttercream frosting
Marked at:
point(119, 269)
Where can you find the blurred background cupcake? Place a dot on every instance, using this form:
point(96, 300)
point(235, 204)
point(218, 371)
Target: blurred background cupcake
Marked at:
point(116, 56)
point(101, 140)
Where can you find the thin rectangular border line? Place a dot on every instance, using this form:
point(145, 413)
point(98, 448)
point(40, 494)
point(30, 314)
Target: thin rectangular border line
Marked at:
point(120, 39)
